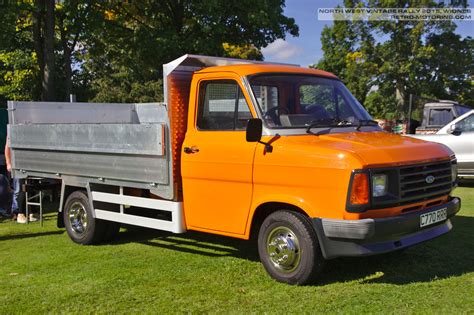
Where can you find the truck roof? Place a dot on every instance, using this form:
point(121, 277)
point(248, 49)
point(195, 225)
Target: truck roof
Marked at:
point(249, 69)
point(198, 63)
point(441, 104)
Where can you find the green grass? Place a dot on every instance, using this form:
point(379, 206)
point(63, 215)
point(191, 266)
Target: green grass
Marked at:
point(42, 271)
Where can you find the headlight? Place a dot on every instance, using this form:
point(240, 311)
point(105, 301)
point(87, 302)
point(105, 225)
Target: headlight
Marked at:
point(454, 170)
point(379, 185)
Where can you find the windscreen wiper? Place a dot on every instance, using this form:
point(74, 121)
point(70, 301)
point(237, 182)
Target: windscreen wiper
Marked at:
point(366, 122)
point(320, 123)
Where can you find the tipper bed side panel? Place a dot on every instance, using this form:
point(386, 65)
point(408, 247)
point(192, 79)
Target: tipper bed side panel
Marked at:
point(179, 84)
point(113, 144)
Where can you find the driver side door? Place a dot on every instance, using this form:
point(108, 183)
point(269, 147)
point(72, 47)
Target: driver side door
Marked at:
point(217, 161)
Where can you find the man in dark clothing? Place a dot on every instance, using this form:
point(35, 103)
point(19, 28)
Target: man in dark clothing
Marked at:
point(18, 204)
point(5, 196)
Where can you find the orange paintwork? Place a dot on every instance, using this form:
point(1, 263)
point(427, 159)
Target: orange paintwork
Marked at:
point(389, 212)
point(179, 86)
point(217, 181)
point(226, 181)
point(313, 172)
point(244, 70)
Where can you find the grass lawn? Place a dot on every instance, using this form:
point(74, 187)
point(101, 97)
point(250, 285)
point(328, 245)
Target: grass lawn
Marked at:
point(43, 271)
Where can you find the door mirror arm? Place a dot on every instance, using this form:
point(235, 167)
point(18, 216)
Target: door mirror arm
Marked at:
point(455, 129)
point(268, 146)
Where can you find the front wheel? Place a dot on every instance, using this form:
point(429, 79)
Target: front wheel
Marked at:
point(289, 249)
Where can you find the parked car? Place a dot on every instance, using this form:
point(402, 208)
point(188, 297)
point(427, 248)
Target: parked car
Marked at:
point(438, 114)
point(458, 135)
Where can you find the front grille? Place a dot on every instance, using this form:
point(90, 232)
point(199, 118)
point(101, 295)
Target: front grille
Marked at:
point(414, 185)
point(408, 185)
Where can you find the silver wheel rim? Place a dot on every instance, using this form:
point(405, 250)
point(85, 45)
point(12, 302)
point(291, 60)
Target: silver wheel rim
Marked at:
point(283, 248)
point(78, 218)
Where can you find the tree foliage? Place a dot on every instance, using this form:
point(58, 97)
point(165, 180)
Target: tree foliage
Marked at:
point(18, 76)
point(426, 59)
point(245, 51)
point(19, 72)
point(114, 50)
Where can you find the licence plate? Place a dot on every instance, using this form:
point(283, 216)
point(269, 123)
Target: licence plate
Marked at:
point(433, 217)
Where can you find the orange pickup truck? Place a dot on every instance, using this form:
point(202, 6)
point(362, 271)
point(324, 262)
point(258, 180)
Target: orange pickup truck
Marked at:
point(241, 149)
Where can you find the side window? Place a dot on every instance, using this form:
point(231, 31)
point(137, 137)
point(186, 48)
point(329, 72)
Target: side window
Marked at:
point(222, 106)
point(467, 124)
point(243, 113)
point(440, 117)
point(267, 96)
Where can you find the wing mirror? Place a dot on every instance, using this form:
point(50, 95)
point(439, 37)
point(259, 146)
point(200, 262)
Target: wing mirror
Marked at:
point(455, 129)
point(254, 133)
point(254, 130)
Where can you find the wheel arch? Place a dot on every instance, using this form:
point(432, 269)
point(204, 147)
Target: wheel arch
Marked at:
point(265, 209)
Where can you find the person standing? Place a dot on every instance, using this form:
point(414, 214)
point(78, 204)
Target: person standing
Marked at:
point(3, 166)
point(5, 195)
point(3, 137)
point(17, 209)
point(4, 183)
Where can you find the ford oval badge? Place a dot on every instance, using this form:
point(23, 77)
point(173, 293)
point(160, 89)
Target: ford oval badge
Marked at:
point(430, 179)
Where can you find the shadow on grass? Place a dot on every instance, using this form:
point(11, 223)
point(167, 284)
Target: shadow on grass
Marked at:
point(191, 242)
point(29, 235)
point(466, 183)
point(449, 255)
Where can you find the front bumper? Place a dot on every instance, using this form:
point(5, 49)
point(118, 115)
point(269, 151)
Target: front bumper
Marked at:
point(366, 237)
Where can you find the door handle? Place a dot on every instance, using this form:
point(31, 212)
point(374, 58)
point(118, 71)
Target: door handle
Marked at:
point(191, 150)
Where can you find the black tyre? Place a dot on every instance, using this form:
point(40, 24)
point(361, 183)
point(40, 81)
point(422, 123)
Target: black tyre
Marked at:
point(81, 226)
point(289, 248)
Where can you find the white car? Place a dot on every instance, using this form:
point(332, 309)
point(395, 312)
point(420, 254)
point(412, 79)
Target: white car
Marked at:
point(458, 135)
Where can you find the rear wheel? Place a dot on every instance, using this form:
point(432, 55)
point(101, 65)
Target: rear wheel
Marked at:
point(289, 249)
point(81, 226)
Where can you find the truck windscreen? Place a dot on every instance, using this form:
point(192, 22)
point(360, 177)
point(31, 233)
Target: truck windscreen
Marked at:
point(298, 101)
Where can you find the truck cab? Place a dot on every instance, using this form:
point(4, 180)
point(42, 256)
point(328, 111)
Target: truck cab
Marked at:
point(278, 153)
point(320, 155)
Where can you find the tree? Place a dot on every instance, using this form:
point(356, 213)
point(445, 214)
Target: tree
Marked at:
point(136, 38)
point(19, 73)
point(249, 52)
point(18, 76)
point(114, 50)
point(416, 57)
point(28, 33)
point(349, 52)
point(44, 40)
point(450, 68)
